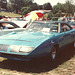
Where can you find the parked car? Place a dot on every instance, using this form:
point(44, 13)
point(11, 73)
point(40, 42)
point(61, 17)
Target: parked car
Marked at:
point(11, 27)
point(21, 24)
point(41, 38)
point(72, 23)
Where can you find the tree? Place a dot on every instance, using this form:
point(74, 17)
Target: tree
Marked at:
point(40, 7)
point(0, 8)
point(18, 4)
point(57, 8)
point(69, 8)
point(9, 8)
point(25, 10)
point(47, 6)
point(33, 7)
point(0, 3)
point(50, 15)
point(3, 4)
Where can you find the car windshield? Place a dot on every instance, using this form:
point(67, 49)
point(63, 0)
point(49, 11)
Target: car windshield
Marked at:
point(43, 27)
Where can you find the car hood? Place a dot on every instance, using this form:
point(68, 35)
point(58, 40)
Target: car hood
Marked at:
point(25, 38)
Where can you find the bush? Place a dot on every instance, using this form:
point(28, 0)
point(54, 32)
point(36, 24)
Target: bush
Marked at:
point(25, 10)
point(50, 15)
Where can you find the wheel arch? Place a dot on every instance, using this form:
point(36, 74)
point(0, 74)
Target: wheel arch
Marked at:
point(56, 46)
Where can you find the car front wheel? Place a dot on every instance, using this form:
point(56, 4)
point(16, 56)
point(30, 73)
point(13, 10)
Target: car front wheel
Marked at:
point(53, 54)
point(73, 45)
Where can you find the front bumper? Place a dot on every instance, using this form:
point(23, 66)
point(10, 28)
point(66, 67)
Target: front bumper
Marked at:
point(6, 52)
point(15, 56)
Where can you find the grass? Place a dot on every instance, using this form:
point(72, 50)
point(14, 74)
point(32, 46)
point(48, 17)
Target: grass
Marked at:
point(9, 14)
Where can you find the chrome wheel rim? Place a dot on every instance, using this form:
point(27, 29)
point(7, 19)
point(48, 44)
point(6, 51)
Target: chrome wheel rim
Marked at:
point(74, 44)
point(53, 55)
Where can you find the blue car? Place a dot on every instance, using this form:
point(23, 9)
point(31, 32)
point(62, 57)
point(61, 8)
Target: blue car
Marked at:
point(41, 38)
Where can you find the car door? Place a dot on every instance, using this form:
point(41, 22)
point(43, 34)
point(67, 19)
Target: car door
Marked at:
point(70, 34)
point(63, 39)
point(67, 35)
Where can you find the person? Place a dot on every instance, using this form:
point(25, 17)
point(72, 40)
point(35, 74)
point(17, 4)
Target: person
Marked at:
point(3, 25)
point(64, 27)
point(65, 18)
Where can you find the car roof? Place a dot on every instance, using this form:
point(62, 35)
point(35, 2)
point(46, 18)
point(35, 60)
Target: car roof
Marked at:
point(50, 21)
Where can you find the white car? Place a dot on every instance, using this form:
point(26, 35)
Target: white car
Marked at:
point(11, 27)
point(21, 24)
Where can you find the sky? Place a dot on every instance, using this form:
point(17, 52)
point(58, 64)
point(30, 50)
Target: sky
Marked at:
point(52, 2)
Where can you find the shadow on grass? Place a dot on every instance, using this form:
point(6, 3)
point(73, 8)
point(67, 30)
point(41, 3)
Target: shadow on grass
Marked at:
point(37, 66)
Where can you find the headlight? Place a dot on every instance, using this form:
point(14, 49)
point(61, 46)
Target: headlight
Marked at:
point(26, 49)
point(15, 48)
point(23, 49)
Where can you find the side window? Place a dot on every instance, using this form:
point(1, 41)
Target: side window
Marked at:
point(54, 28)
point(4, 25)
point(65, 27)
point(10, 26)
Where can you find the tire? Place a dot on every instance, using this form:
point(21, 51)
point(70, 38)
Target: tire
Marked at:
point(53, 54)
point(74, 44)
